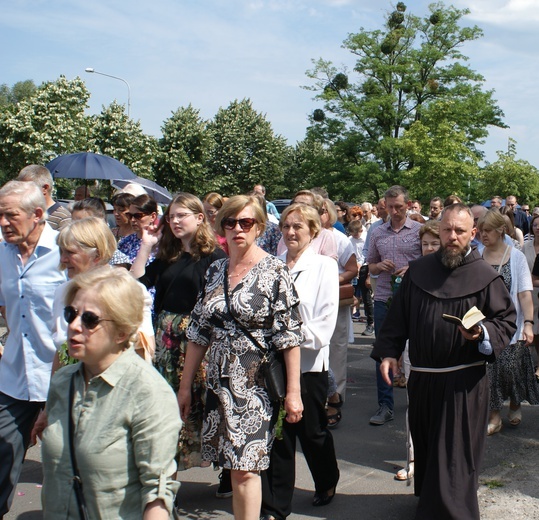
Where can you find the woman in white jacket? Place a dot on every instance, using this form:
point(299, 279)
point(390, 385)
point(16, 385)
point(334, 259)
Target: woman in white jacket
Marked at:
point(316, 279)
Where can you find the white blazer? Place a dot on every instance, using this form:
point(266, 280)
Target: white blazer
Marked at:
point(316, 278)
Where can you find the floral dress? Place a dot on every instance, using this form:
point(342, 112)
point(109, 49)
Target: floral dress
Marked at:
point(512, 375)
point(239, 417)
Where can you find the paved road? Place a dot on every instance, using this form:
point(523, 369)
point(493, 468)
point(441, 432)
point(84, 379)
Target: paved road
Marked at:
point(368, 457)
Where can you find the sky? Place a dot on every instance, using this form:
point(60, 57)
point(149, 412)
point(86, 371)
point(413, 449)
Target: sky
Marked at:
point(208, 53)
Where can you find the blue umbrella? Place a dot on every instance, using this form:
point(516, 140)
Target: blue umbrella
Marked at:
point(88, 165)
point(160, 194)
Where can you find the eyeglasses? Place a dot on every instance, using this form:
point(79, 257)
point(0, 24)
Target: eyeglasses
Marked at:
point(212, 212)
point(178, 217)
point(245, 223)
point(136, 216)
point(89, 319)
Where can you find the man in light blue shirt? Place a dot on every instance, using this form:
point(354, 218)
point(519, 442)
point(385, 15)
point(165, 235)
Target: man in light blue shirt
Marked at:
point(29, 275)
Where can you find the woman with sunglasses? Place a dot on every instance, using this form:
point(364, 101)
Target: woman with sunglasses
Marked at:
point(248, 303)
point(116, 413)
point(120, 203)
point(187, 248)
point(142, 215)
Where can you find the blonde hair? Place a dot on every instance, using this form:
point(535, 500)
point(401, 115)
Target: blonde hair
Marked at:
point(234, 205)
point(492, 219)
point(119, 296)
point(332, 212)
point(309, 215)
point(91, 235)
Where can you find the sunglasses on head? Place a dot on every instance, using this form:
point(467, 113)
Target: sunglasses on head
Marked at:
point(245, 223)
point(136, 216)
point(89, 319)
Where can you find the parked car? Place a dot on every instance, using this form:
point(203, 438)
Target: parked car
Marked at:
point(281, 204)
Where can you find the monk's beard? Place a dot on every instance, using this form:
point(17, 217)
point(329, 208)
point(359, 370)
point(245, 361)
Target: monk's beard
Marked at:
point(452, 258)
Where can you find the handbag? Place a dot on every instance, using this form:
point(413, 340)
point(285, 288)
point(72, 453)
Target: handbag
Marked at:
point(346, 294)
point(272, 367)
point(77, 482)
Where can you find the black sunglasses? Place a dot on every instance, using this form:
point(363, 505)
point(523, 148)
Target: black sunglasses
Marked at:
point(136, 216)
point(245, 223)
point(89, 319)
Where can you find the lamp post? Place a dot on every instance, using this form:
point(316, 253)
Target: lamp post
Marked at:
point(93, 71)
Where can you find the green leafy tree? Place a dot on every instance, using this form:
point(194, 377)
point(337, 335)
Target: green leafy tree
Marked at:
point(401, 75)
point(115, 134)
point(244, 150)
point(509, 176)
point(441, 162)
point(50, 122)
point(184, 151)
point(18, 92)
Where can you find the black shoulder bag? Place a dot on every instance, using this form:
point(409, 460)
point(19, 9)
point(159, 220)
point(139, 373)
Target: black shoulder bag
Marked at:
point(77, 482)
point(272, 367)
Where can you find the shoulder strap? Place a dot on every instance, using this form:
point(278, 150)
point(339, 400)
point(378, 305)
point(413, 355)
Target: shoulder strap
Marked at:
point(77, 482)
point(240, 326)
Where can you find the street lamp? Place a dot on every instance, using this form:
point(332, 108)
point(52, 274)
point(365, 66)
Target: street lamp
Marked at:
point(93, 71)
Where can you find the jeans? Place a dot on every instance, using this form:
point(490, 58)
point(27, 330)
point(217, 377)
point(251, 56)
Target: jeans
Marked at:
point(385, 392)
point(366, 293)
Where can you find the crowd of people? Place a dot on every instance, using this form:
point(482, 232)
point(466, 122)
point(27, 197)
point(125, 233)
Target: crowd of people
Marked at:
point(215, 333)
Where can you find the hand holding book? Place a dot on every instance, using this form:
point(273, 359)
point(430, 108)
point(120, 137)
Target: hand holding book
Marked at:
point(468, 321)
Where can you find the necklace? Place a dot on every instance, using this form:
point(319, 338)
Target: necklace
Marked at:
point(242, 271)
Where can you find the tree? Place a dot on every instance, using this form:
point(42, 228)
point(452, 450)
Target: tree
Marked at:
point(18, 92)
point(509, 176)
point(184, 151)
point(50, 122)
point(115, 134)
point(402, 74)
point(441, 162)
point(244, 150)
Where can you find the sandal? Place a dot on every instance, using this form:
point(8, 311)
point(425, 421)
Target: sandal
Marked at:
point(515, 416)
point(403, 475)
point(335, 418)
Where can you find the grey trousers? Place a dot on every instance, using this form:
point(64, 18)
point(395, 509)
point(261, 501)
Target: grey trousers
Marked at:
point(16, 421)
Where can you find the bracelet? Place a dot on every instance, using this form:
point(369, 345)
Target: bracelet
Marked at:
point(529, 321)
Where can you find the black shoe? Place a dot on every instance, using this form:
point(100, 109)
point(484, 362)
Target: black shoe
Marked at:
point(323, 499)
point(225, 485)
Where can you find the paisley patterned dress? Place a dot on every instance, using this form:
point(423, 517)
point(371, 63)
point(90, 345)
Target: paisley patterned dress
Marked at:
point(239, 418)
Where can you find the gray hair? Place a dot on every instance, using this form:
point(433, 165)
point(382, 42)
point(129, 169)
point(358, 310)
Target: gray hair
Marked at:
point(395, 191)
point(37, 174)
point(29, 194)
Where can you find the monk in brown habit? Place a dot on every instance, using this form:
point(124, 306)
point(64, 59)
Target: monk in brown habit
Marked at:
point(448, 386)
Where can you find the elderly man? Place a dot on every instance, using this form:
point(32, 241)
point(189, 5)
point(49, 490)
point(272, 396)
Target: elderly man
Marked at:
point(57, 215)
point(29, 276)
point(448, 385)
point(368, 216)
point(392, 246)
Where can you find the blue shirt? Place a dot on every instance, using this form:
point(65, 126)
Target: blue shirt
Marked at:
point(28, 292)
point(272, 210)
